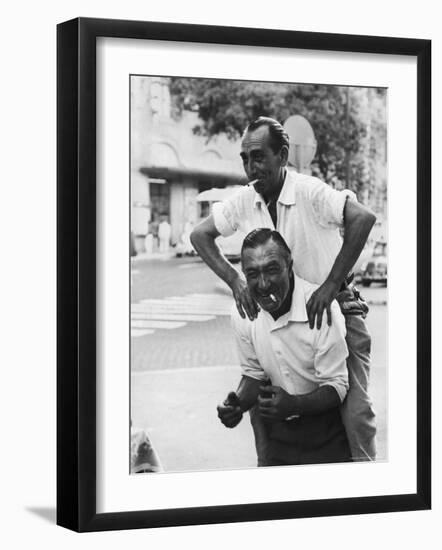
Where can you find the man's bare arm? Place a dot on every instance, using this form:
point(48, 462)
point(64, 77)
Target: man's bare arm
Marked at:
point(358, 221)
point(203, 239)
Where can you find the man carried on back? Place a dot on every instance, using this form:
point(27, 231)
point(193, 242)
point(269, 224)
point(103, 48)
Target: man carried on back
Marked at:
point(308, 214)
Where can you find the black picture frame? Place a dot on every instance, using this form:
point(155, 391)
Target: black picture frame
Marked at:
point(76, 274)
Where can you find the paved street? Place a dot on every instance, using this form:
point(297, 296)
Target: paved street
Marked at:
point(184, 362)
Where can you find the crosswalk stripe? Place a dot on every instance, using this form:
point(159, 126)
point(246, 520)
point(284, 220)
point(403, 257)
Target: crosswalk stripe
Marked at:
point(153, 310)
point(187, 266)
point(189, 297)
point(203, 295)
point(176, 311)
point(189, 302)
point(171, 316)
point(136, 323)
point(136, 332)
point(200, 297)
point(180, 307)
point(186, 370)
point(221, 298)
point(156, 324)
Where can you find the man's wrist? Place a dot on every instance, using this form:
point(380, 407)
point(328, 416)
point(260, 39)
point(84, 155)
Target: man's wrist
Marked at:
point(244, 404)
point(246, 401)
point(334, 283)
point(232, 277)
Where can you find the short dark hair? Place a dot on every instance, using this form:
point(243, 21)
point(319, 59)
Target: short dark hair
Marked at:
point(261, 236)
point(278, 136)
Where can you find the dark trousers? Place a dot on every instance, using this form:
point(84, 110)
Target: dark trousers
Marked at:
point(357, 410)
point(310, 439)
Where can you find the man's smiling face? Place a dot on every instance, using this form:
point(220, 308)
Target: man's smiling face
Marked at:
point(262, 163)
point(267, 270)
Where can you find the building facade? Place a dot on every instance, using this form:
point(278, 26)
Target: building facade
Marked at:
point(170, 165)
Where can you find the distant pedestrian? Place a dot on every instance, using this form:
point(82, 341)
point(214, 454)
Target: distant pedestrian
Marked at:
point(164, 232)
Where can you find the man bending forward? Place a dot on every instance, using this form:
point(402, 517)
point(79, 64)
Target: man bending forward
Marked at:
point(298, 376)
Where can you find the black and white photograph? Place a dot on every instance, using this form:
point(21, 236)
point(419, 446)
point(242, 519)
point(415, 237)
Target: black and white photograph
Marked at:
point(258, 274)
point(189, 188)
point(249, 337)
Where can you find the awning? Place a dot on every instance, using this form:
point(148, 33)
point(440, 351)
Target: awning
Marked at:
point(180, 173)
point(216, 194)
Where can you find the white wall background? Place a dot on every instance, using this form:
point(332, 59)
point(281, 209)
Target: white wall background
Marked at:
point(27, 218)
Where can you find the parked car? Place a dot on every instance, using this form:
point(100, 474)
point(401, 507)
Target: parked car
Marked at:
point(374, 268)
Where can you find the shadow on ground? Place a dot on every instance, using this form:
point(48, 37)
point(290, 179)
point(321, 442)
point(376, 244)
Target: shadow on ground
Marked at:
point(48, 514)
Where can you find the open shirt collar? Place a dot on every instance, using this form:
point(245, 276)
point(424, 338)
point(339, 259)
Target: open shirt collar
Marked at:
point(288, 191)
point(298, 309)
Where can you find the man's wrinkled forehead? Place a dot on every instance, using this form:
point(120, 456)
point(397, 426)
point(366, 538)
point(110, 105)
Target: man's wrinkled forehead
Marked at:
point(262, 255)
point(256, 139)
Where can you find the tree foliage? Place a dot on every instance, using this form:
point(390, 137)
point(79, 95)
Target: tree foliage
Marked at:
point(336, 114)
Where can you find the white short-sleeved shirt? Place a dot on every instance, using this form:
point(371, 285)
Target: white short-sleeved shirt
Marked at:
point(293, 356)
point(309, 215)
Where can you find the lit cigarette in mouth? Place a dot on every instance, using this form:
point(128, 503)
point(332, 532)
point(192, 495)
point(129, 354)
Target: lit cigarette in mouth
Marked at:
point(252, 182)
point(272, 297)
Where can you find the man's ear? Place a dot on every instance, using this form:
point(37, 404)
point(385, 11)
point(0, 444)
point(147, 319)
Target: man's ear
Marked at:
point(284, 155)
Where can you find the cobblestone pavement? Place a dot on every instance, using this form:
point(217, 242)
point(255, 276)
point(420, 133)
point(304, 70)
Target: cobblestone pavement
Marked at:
point(207, 344)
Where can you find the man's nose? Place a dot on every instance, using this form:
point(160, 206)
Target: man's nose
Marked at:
point(263, 282)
